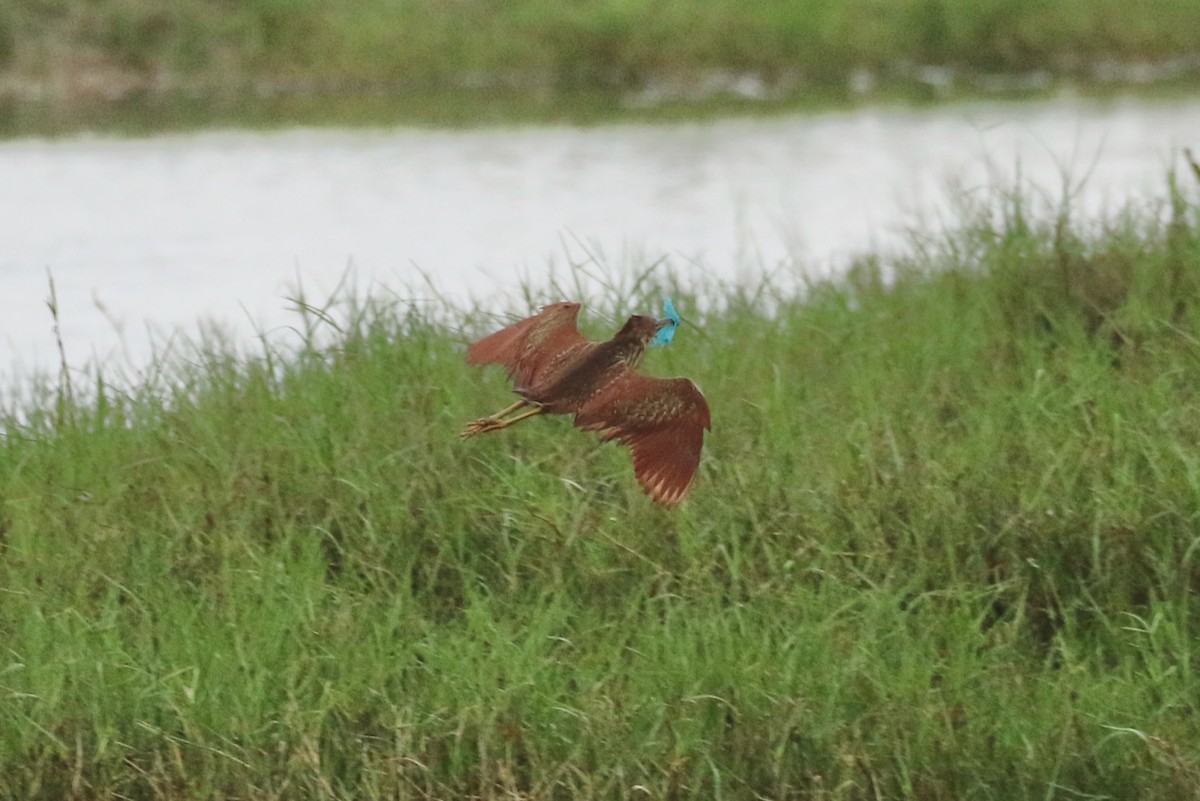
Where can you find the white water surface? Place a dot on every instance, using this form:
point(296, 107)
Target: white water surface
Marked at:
point(147, 236)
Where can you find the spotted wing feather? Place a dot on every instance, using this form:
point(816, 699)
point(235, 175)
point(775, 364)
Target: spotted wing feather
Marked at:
point(502, 347)
point(527, 347)
point(662, 421)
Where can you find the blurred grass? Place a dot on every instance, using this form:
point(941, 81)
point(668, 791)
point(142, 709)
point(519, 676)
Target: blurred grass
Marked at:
point(596, 41)
point(943, 546)
point(384, 60)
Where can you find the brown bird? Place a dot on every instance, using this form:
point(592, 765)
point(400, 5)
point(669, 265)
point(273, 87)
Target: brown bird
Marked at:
point(556, 370)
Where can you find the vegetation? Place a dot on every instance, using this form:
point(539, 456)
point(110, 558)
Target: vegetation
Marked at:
point(138, 67)
point(943, 545)
point(302, 45)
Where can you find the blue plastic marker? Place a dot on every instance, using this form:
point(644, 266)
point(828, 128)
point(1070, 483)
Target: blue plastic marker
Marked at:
point(666, 334)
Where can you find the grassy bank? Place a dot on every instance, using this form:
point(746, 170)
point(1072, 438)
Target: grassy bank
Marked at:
point(597, 42)
point(251, 52)
point(943, 546)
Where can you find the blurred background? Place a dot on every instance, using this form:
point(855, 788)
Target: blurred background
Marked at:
point(175, 165)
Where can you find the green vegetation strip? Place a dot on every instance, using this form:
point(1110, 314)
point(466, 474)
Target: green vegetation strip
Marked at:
point(132, 66)
point(585, 43)
point(944, 545)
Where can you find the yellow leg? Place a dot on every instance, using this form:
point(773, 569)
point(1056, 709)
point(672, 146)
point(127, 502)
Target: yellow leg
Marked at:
point(508, 411)
point(495, 423)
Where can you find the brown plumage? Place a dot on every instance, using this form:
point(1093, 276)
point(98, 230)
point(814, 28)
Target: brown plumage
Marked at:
point(556, 370)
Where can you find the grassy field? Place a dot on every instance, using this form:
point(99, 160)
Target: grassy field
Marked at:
point(593, 41)
point(88, 49)
point(140, 67)
point(945, 544)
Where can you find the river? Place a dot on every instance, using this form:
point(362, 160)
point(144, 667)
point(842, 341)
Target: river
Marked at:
point(148, 236)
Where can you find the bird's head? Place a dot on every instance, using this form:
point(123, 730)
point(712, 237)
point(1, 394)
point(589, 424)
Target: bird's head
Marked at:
point(635, 336)
point(641, 329)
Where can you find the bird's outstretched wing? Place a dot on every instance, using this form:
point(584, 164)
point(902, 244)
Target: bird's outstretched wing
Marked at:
point(528, 347)
point(662, 421)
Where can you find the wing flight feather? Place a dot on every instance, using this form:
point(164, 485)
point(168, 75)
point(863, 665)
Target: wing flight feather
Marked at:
point(528, 346)
point(662, 421)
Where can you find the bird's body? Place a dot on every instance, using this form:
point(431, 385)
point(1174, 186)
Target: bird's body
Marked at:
point(556, 370)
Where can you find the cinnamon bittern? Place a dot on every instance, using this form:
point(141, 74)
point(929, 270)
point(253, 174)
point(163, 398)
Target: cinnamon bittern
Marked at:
point(556, 370)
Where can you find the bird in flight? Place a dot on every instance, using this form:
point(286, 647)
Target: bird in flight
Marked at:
point(556, 370)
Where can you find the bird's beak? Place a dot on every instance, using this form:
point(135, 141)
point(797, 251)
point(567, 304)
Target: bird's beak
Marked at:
point(666, 322)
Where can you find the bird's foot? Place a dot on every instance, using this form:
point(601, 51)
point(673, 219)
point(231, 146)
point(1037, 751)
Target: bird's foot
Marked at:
point(480, 426)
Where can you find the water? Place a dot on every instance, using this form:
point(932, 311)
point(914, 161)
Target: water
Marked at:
point(146, 236)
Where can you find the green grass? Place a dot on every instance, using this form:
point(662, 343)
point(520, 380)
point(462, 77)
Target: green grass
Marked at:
point(944, 545)
point(131, 63)
point(594, 42)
